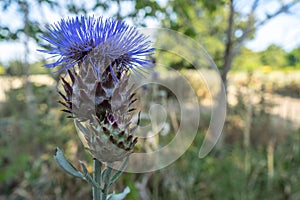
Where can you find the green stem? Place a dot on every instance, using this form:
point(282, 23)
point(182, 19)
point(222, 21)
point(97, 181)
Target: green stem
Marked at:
point(106, 181)
point(97, 178)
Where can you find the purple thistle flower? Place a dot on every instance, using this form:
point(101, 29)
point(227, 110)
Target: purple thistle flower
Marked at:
point(72, 39)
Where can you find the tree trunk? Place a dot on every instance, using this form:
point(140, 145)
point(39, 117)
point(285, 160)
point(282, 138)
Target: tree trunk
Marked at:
point(228, 56)
point(28, 87)
point(227, 62)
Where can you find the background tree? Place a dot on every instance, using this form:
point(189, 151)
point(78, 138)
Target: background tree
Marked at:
point(293, 58)
point(273, 56)
point(222, 26)
point(247, 60)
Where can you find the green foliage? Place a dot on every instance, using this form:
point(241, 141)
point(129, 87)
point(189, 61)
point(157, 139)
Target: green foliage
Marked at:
point(38, 68)
point(29, 27)
point(2, 69)
point(145, 10)
point(17, 68)
point(293, 58)
point(213, 5)
point(274, 56)
point(224, 177)
point(27, 136)
point(206, 22)
point(247, 61)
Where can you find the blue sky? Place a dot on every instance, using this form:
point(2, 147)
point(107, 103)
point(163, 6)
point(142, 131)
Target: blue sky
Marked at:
point(283, 30)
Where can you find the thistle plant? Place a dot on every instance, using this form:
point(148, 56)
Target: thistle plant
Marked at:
point(98, 57)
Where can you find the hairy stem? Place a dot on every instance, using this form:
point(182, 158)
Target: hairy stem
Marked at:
point(107, 181)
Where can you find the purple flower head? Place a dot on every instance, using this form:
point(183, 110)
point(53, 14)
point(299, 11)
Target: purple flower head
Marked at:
point(72, 39)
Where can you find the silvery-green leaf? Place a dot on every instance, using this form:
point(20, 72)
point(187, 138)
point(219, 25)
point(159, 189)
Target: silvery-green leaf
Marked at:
point(120, 171)
point(119, 196)
point(88, 177)
point(64, 164)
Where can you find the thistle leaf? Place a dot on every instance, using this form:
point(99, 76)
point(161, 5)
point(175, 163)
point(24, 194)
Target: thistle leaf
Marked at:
point(120, 171)
point(64, 164)
point(119, 196)
point(88, 177)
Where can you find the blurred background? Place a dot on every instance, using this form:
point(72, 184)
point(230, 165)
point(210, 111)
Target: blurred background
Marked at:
point(254, 43)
